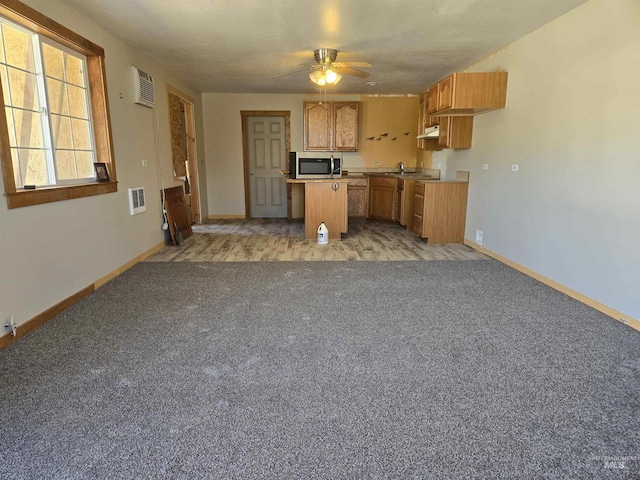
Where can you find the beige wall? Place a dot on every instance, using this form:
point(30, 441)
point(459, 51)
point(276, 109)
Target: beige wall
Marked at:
point(223, 140)
point(395, 116)
point(49, 252)
point(572, 212)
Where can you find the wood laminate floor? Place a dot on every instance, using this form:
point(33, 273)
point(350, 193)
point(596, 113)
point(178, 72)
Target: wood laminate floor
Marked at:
point(260, 240)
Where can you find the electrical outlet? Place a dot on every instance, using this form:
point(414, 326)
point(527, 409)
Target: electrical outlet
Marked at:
point(514, 168)
point(421, 164)
point(485, 166)
point(145, 163)
point(12, 325)
point(439, 165)
point(479, 236)
point(376, 164)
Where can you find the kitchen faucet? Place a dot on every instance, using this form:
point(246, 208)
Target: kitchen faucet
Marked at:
point(401, 165)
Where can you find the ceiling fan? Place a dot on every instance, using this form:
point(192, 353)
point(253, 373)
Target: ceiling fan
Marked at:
point(329, 72)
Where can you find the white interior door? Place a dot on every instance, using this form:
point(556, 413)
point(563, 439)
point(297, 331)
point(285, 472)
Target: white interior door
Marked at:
point(267, 156)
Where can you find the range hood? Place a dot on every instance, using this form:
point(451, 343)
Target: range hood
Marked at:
point(431, 132)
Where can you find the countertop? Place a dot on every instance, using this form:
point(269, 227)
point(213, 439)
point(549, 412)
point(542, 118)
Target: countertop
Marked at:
point(318, 180)
point(406, 176)
point(439, 181)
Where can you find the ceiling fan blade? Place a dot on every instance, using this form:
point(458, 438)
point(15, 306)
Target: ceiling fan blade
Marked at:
point(354, 72)
point(291, 73)
point(356, 64)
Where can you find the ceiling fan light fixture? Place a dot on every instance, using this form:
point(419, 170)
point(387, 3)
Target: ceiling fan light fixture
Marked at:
point(317, 77)
point(331, 76)
point(324, 77)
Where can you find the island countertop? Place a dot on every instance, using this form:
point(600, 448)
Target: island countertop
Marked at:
point(317, 180)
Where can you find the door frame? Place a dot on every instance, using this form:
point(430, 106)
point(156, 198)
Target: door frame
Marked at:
point(245, 114)
point(192, 150)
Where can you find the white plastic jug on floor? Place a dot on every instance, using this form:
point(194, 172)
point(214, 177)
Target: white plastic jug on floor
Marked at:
point(323, 234)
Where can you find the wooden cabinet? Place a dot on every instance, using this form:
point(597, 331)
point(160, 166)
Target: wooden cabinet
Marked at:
point(404, 201)
point(455, 132)
point(418, 209)
point(422, 112)
point(325, 201)
point(425, 120)
point(432, 99)
point(331, 126)
point(469, 93)
point(455, 100)
point(440, 211)
point(345, 126)
point(382, 198)
point(444, 91)
point(317, 126)
point(358, 197)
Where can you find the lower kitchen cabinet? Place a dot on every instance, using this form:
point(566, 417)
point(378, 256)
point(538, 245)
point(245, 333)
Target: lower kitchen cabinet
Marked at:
point(326, 202)
point(358, 197)
point(440, 211)
point(382, 198)
point(404, 201)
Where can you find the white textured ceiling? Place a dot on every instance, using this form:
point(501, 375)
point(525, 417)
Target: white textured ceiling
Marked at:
point(241, 45)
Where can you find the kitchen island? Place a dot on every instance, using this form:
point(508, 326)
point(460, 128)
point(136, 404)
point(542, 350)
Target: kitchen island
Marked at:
point(325, 200)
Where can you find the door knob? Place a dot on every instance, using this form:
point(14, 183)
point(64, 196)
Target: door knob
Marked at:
point(251, 173)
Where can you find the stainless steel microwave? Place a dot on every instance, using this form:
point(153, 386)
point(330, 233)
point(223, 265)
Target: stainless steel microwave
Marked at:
point(314, 166)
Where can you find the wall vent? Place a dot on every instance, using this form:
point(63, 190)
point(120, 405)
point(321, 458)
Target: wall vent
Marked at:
point(137, 201)
point(145, 91)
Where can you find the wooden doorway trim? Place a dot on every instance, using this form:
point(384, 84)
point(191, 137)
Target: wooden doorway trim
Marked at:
point(245, 145)
point(192, 150)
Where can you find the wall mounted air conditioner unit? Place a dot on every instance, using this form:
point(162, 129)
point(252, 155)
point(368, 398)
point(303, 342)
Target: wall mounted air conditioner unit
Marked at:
point(144, 88)
point(137, 201)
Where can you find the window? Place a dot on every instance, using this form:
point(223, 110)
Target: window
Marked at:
point(54, 123)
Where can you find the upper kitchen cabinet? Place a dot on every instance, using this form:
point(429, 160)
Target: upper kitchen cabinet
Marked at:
point(331, 126)
point(317, 126)
point(345, 126)
point(455, 132)
point(432, 99)
point(425, 121)
point(465, 94)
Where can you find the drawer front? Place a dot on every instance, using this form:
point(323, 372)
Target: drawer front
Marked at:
point(358, 182)
point(383, 182)
point(416, 225)
point(418, 205)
